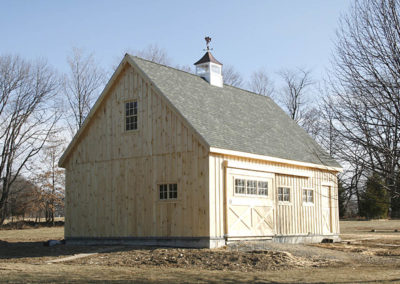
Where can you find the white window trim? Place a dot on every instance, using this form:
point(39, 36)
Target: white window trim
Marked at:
point(246, 178)
point(281, 202)
point(307, 203)
point(124, 131)
point(168, 200)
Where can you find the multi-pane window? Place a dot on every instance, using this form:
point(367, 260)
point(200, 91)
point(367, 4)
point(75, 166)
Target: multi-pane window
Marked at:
point(308, 195)
point(284, 194)
point(168, 191)
point(251, 187)
point(131, 116)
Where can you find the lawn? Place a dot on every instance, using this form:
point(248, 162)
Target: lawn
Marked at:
point(23, 258)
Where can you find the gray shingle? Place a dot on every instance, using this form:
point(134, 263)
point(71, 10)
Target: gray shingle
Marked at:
point(235, 119)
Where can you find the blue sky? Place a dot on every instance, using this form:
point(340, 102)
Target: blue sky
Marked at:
point(246, 34)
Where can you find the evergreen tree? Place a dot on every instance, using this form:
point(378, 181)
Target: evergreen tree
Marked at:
point(375, 199)
point(342, 200)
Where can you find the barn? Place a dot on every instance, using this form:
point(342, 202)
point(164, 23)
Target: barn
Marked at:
point(166, 157)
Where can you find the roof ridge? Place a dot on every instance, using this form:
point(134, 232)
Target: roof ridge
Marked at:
point(197, 76)
point(164, 65)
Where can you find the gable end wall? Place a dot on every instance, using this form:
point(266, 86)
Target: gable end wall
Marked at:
point(112, 175)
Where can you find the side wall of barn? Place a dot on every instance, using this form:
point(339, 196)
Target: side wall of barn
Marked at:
point(112, 175)
point(294, 218)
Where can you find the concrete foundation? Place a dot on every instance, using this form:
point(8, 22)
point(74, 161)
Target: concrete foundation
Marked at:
point(198, 242)
point(186, 242)
point(305, 239)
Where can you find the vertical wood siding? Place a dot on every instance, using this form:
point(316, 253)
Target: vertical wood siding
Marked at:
point(294, 218)
point(112, 175)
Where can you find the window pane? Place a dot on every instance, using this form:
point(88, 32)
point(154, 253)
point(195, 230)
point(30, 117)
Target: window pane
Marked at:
point(163, 191)
point(263, 188)
point(251, 187)
point(173, 191)
point(304, 195)
point(240, 187)
point(310, 196)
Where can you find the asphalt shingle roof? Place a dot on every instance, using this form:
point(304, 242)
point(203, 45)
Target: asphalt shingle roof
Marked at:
point(235, 119)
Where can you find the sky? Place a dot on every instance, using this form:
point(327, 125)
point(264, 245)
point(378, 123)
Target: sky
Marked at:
point(249, 35)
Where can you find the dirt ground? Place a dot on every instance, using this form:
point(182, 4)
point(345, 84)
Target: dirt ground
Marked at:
point(364, 256)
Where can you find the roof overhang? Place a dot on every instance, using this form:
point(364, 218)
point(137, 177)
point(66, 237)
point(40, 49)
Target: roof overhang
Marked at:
point(273, 159)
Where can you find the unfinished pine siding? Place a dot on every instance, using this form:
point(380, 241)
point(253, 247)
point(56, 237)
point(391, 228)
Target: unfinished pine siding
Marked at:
point(112, 175)
point(292, 219)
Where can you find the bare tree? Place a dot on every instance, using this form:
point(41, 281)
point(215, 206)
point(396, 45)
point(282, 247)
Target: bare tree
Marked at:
point(26, 92)
point(365, 87)
point(185, 68)
point(231, 76)
point(51, 178)
point(260, 83)
point(155, 54)
point(294, 91)
point(81, 86)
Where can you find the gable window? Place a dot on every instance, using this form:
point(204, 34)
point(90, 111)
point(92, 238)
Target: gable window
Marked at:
point(168, 191)
point(131, 117)
point(284, 194)
point(251, 187)
point(308, 195)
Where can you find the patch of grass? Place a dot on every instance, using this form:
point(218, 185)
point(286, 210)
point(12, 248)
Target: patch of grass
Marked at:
point(32, 235)
point(357, 227)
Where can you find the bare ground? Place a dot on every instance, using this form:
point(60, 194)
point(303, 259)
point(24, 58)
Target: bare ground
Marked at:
point(363, 257)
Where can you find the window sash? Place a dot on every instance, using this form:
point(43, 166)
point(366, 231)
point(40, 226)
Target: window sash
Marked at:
point(131, 113)
point(263, 188)
point(251, 187)
point(168, 191)
point(308, 195)
point(284, 194)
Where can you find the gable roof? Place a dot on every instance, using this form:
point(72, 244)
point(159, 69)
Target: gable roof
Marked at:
point(235, 119)
point(227, 118)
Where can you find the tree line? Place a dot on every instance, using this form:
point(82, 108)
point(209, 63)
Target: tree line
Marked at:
point(354, 114)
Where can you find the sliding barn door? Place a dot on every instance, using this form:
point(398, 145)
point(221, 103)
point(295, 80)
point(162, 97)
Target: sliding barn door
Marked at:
point(250, 211)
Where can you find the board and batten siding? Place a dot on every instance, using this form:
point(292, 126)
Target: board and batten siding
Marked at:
point(290, 219)
point(112, 175)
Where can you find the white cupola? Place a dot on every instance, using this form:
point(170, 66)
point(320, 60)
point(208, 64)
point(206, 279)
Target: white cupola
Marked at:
point(209, 68)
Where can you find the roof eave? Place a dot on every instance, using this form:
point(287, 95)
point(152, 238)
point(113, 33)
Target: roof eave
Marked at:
point(274, 159)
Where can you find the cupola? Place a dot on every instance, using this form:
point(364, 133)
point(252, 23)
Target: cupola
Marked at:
point(209, 68)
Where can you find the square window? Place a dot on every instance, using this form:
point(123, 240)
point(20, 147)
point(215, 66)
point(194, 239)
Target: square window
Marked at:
point(308, 195)
point(284, 194)
point(168, 191)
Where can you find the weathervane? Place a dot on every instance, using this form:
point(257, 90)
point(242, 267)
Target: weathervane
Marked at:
point(208, 40)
